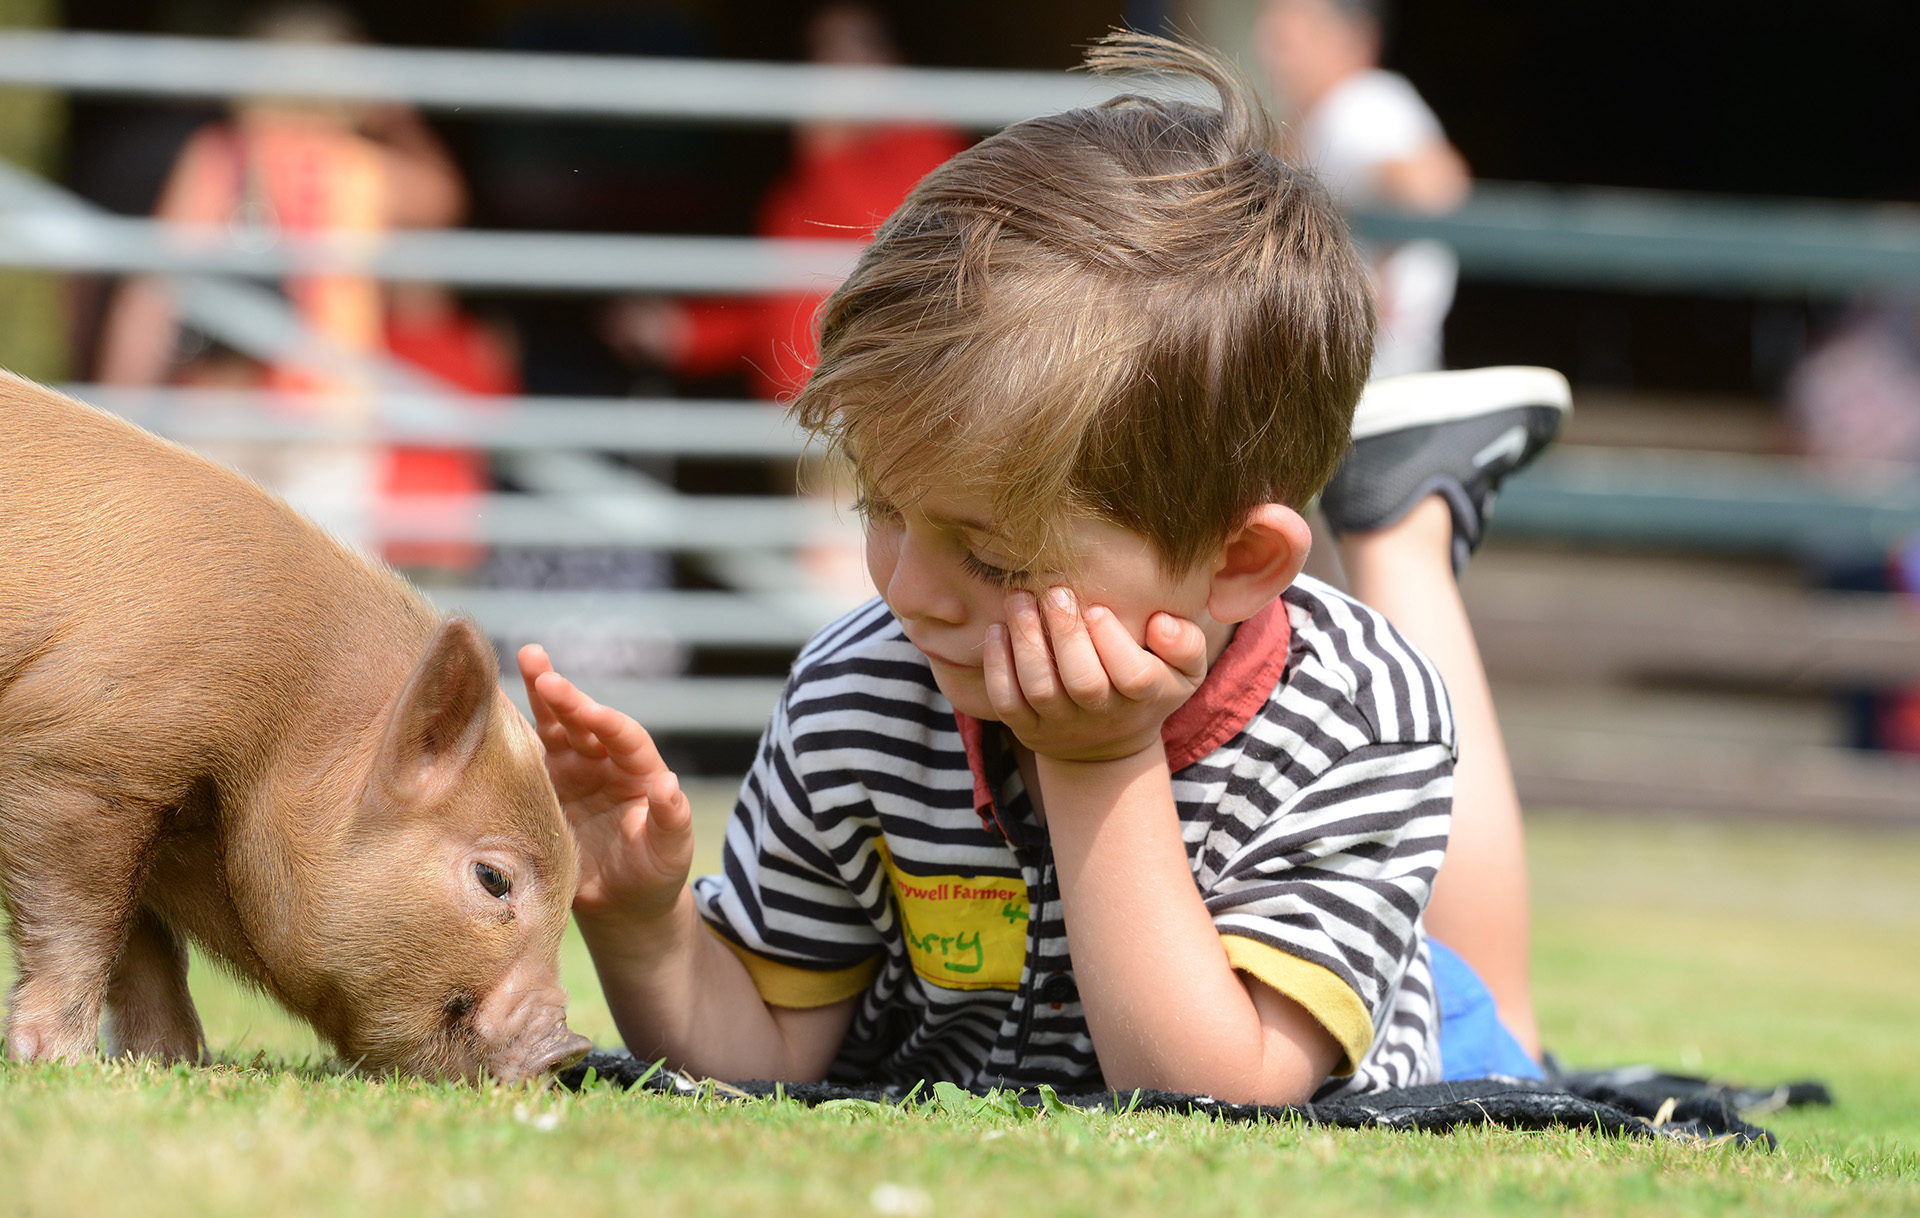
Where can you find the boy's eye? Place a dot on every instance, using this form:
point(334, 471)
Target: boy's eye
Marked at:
point(986, 572)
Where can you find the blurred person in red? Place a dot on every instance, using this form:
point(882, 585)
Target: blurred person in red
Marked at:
point(1373, 142)
point(304, 166)
point(843, 180)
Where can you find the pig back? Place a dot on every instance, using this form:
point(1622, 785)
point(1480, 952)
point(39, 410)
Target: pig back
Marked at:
point(164, 612)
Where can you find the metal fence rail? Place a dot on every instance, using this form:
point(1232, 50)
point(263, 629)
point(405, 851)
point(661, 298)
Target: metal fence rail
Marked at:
point(1697, 501)
point(1713, 502)
point(682, 616)
point(723, 706)
point(1635, 239)
point(646, 426)
point(1702, 500)
point(467, 258)
point(557, 450)
point(1726, 502)
point(506, 82)
point(1643, 239)
point(247, 317)
point(1660, 241)
point(670, 522)
point(1609, 496)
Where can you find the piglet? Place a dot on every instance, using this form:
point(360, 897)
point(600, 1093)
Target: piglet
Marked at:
point(217, 724)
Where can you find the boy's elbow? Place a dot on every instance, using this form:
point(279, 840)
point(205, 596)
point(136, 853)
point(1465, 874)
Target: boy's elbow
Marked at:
point(1277, 1055)
point(1274, 1071)
point(811, 1038)
point(1297, 1052)
point(1282, 1080)
point(1287, 1083)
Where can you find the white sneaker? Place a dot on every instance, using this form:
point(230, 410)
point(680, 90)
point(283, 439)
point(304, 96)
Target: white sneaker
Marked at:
point(1453, 434)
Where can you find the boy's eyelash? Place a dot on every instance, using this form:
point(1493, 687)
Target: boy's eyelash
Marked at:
point(988, 573)
point(1000, 577)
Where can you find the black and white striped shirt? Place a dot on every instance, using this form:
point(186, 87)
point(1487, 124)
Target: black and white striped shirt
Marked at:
point(884, 847)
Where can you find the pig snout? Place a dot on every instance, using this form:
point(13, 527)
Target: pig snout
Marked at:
point(523, 1032)
point(540, 1047)
point(565, 1048)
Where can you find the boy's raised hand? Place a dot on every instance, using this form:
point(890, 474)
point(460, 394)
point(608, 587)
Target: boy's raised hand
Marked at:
point(1072, 683)
point(629, 815)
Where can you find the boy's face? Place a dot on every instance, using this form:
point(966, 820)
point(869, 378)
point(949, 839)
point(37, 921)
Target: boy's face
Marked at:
point(940, 568)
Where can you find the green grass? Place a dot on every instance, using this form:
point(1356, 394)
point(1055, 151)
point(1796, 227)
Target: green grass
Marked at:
point(1756, 952)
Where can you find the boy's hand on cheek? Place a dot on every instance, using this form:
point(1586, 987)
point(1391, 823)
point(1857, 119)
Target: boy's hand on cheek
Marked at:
point(1072, 684)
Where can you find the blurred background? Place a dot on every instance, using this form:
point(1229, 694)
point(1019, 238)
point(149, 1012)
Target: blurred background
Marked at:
point(506, 290)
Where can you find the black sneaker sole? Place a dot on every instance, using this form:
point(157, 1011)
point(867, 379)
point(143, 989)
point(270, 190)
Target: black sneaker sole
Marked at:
point(1471, 439)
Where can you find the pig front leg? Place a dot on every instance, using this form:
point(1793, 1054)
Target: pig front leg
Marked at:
point(72, 873)
point(149, 1011)
point(55, 1007)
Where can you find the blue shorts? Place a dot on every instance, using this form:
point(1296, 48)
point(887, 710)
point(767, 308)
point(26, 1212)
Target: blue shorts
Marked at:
point(1473, 1041)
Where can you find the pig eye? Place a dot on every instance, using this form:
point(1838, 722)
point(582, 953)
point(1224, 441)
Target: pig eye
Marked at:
point(492, 879)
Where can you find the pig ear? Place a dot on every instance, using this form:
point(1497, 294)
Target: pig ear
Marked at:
point(437, 723)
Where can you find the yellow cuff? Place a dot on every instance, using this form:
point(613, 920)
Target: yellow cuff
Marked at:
point(1326, 997)
point(786, 985)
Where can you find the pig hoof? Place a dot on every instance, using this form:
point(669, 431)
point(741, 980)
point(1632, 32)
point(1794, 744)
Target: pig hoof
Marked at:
point(31, 1044)
point(167, 1054)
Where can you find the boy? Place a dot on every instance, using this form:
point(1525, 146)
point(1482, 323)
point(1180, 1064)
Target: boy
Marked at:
point(1087, 376)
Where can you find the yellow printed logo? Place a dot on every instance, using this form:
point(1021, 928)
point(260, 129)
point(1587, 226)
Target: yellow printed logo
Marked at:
point(963, 932)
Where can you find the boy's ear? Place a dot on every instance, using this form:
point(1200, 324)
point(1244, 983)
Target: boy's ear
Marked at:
point(1260, 560)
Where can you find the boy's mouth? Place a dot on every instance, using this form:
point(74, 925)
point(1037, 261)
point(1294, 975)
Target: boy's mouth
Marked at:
point(937, 658)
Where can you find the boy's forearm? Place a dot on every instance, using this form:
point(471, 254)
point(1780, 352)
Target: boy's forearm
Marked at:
point(1164, 1006)
point(677, 992)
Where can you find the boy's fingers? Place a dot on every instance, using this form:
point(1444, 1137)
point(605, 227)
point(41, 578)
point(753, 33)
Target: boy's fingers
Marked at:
point(534, 664)
point(571, 708)
point(1182, 644)
point(628, 745)
point(534, 661)
point(1031, 661)
point(669, 815)
point(1003, 684)
point(1135, 673)
point(1075, 659)
point(635, 824)
point(546, 723)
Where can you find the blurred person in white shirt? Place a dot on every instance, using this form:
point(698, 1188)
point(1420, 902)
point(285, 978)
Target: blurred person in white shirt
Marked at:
point(1374, 143)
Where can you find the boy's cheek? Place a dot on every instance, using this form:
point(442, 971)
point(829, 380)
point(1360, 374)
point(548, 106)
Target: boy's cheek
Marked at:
point(1133, 607)
point(883, 552)
point(968, 693)
point(1133, 620)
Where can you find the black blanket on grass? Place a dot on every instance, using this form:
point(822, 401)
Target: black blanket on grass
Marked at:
point(1636, 1102)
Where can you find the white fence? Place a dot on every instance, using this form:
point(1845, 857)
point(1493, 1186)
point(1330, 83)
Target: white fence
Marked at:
point(557, 448)
point(502, 82)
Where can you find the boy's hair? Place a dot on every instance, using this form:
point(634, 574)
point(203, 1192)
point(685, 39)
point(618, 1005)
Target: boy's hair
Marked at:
point(1134, 311)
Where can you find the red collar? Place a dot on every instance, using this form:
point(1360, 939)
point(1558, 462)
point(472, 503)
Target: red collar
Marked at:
point(1236, 687)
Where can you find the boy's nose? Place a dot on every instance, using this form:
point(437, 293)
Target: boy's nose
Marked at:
point(916, 588)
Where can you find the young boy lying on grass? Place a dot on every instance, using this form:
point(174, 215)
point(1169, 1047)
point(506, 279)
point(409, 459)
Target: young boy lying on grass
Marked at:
point(1101, 792)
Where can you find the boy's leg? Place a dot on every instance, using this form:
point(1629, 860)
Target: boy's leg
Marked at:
point(1479, 905)
point(1410, 505)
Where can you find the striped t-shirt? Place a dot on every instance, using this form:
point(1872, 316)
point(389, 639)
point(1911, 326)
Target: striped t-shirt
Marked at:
point(884, 847)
